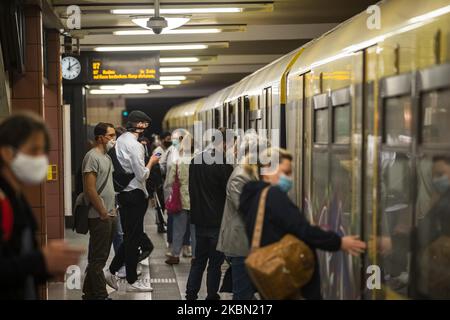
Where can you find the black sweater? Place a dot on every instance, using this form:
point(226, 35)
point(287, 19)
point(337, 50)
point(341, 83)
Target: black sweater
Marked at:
point(283, 217)
point(22, 265)
point(207, 190)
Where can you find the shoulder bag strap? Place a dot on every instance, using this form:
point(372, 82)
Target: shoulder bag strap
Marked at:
point(257, 231)
point(100, 190)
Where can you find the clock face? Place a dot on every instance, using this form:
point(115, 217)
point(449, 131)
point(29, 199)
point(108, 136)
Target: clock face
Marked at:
point(71, 68)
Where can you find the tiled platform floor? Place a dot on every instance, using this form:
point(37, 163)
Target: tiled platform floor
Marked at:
point(168, 282)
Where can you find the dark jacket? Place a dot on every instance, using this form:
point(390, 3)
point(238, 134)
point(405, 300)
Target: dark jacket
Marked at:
point(207, 191)
point(22, 265)
point(283, 217)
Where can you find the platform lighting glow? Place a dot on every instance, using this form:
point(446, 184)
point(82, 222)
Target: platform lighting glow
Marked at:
point(122, 91)
point(175, 31)
point(167, 47)
point(170, 82)
point(175, 70)
point(172, 78)
point(179, 60)
point(177, 11)
point(172, 23)
point(431, 15)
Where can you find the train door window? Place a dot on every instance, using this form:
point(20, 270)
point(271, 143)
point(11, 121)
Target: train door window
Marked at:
point(216, 118)
point(268, 110)
point(232, 115)
point(321, 113)
point(433, 186)
point(396, 180)
point(341, 124)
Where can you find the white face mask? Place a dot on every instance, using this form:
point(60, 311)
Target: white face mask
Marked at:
point(30, 170)
point(110, 144)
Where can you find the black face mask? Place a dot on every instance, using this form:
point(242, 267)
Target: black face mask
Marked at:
point(167, 144)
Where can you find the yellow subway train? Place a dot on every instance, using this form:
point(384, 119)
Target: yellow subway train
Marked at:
point(366, 113)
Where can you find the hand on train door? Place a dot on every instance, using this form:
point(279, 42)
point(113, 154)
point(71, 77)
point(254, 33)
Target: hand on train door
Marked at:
point(352, 245)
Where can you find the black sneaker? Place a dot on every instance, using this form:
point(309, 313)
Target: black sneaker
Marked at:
point(161, 228)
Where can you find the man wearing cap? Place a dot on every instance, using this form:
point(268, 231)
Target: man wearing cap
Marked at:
point(133, 201)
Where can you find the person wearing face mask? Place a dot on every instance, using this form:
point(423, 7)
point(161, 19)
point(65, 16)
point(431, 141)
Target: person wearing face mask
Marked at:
point(99, 190)
point(133, 201)
point(283, 217)
point(24, 145)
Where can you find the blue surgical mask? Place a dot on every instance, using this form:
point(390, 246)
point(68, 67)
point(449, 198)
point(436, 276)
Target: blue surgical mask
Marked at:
point(285, 183)
point(441, 184)
point(175, 143)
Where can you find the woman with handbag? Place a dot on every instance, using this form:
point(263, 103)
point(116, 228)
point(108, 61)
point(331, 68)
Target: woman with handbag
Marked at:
point(178, 203)
point(267, 200)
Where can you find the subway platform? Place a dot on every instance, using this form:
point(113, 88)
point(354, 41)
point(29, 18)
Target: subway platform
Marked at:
point(168, 282)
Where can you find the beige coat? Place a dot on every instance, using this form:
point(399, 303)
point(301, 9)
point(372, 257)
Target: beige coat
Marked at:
point(183, 175)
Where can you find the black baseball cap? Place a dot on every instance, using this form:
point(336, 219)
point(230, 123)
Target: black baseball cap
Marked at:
point(138, 116)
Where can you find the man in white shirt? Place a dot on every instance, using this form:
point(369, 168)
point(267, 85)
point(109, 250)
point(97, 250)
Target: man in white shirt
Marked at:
point(132, 200)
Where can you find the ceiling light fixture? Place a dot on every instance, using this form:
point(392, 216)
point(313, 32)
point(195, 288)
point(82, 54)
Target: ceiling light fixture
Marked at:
point(153, 47)
point(121, 91)
point(172, 22)
point(179, 60)
point(166, 31)
point(172, 78)
point(177, 11)
point(175, 70)
point(170, 82)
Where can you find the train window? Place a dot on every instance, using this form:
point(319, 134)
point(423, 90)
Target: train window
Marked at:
point(395, 221)
point(398, 121)
point(341, 124)
point(321, 126)
point(436, 117)
point(433, 227)
point(216, 118)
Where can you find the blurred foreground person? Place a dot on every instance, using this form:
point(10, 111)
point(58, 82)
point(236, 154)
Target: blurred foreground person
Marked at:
point(24, 145)
point(283, 217)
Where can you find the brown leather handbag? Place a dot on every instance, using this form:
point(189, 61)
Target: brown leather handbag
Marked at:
point(278, 270)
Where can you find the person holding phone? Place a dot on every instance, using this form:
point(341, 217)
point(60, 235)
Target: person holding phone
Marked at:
point(24, 146)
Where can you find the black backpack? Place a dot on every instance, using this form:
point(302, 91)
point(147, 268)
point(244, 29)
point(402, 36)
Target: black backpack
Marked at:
point(121, 178)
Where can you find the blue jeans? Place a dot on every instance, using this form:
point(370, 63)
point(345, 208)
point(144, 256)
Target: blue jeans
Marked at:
point(187, 235)
point(242, 285)
point(180, 223)
point(118, 235)
point(205, 254)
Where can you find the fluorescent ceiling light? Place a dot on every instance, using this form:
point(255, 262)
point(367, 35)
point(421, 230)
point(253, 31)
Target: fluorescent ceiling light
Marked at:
point(166, 31)
point(121, 91)
point(172, 23)
point(170, 82)
point(172, 78)
point(161, 47)
point(179, 60)
point(175, 70)
point(137, 86)
point(178, 11)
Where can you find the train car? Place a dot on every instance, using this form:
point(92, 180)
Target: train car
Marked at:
point(366, 113)
point(183, 115)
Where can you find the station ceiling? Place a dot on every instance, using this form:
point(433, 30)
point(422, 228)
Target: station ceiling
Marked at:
point(253, 34)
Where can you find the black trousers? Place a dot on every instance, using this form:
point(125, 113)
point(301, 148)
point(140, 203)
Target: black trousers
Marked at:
point(205, 254)
point(133, 206)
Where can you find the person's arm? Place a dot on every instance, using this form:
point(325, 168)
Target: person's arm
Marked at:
point(90, 190)
point(140, 170)
point(235, 189)
point(288, 216)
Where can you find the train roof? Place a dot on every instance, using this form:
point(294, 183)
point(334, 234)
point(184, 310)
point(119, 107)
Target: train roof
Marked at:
point(353, 35)
point(186, 109)
point(216, 99)
point(263, 77)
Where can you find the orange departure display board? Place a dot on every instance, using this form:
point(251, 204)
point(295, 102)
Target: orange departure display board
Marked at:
point(113, 68)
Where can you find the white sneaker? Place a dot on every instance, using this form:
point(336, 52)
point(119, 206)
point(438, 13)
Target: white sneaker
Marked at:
point(144, 262)
point(139, 286)
point(187, 251)
point(111, 280)
point(122, 273)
